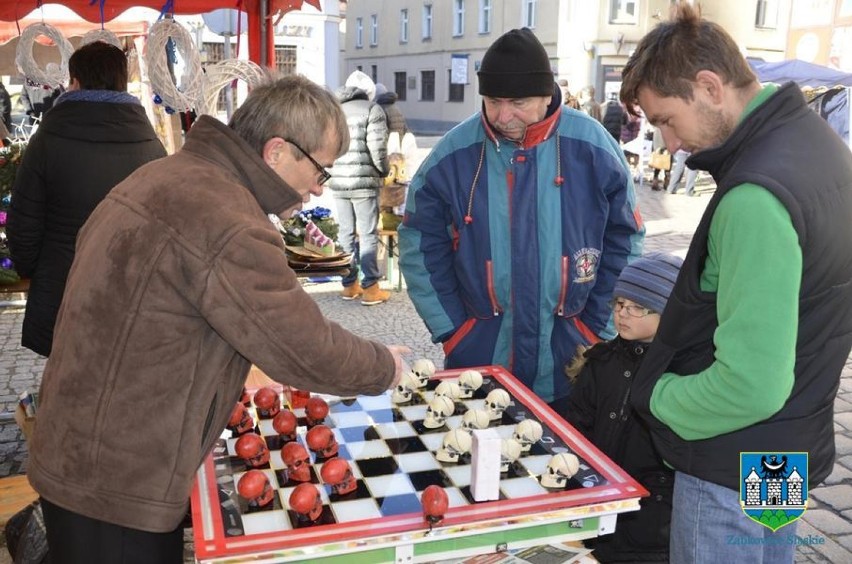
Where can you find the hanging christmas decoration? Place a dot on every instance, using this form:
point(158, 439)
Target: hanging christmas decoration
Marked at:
point(184, 95)
point(104, 35)
point(218, 75)
point(53, 75)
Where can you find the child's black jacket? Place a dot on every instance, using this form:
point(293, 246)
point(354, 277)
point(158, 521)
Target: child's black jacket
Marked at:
point(599, 407)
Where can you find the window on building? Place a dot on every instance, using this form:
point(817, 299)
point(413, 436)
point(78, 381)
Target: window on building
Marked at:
point(623, 11)
point(767, 14)
point(427, 86)
point(427, 21)
point(484, 16)
point(374, 30)
point(215, 53)
point(458, 18)
point(456, 91)
point(374, 73)
point(403, 26)
point(400, 83)
point(359, 33)
point(285, 59)
point(528, 15)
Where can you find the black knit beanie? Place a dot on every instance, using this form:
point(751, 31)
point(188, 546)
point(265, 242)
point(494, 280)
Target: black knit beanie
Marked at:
point(516, 66)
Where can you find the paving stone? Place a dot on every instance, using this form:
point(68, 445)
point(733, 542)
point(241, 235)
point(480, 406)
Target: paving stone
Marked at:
point(843, 444)
point(846, 542)
point(839, 474)
point(828, 522)
point(844, 419)
point(837, 497)
point(829, 550)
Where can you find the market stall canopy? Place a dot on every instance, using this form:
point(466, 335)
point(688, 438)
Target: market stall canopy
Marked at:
point(261, 37)
point(800, 72)
point(44, 53)
point(71, 28)
point(11, 10)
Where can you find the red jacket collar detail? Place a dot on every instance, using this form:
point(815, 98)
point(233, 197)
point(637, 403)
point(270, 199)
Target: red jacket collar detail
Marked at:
point(535, 133)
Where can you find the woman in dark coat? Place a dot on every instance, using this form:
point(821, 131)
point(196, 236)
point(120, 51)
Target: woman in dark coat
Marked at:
point(95, 135)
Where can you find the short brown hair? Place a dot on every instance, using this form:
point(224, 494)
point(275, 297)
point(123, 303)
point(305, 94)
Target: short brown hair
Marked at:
point(99, 66)
point(670, 56)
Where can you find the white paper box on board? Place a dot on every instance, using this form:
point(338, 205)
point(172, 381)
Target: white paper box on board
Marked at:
point(485, 465)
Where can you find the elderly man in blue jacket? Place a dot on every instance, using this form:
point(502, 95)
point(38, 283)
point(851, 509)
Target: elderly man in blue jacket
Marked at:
point(518, 224)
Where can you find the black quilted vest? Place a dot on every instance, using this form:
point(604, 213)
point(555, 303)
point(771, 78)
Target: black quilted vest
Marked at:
point(791, 151)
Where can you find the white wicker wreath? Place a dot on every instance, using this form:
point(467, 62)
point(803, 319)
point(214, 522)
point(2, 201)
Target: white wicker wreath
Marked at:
point(104, 35)
point(186, 94)
point(218, 75)
point(54, 75)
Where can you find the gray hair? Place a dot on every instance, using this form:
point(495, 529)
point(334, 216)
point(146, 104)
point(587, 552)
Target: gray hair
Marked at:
point(291, 107)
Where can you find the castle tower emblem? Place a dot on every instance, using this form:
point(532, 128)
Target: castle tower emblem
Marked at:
point(773, 487)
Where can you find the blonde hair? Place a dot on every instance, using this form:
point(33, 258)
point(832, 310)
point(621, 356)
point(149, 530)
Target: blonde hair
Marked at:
point(573, 368)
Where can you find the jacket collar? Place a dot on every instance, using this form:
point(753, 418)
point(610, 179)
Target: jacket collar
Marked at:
point(211, 140)
point(535, 133)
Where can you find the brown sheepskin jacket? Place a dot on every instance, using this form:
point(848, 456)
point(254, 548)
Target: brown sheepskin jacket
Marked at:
point(179, 284)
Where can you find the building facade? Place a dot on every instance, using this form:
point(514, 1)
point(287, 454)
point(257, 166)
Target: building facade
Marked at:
point(428, 51)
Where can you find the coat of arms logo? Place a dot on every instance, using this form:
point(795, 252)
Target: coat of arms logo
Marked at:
point(774, 487)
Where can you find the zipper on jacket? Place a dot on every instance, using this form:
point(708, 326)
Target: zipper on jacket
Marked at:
point(492, 295)
point(209, 421)
point(563, 287)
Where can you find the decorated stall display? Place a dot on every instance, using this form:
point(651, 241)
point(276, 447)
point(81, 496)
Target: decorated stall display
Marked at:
point(317, 241)
point(359, 479)
point(10, 159)
point(309, 238)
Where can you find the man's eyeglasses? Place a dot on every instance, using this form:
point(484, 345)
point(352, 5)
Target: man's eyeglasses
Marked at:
point(632, 310)
point(324, 175)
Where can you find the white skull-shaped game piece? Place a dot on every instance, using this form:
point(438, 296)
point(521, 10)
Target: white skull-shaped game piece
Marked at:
point(403, 391)
point(469, 382)
point(527, 432)
point(496, 403)
point(423, 369)
point(559, 470)
point(510, 451)
point(449, 388)
point(439, 409)
point(457, 442)
point(475, 419)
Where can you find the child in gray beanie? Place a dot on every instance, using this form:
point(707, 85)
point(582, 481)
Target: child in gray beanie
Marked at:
point(599, 407)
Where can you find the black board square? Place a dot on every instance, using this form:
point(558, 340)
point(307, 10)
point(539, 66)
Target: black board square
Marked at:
point(300, 522)
point(422, 480)
point(373, 467)
point(361, 492)
point(403, 445)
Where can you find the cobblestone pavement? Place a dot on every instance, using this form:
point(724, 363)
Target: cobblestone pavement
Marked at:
point(670, 221)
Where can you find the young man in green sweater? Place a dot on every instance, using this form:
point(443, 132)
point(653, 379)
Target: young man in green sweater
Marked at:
point(750, 348)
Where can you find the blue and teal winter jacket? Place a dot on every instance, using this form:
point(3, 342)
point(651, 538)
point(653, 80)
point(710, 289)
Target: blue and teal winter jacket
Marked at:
point(510, 255)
